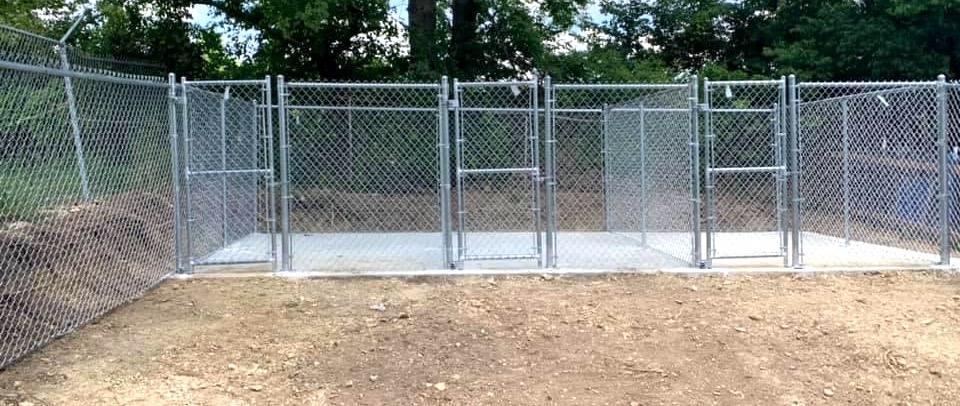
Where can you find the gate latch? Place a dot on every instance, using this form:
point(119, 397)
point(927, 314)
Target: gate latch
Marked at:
point(453, 103)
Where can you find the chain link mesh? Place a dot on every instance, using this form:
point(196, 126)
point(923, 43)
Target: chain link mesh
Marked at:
point(67, 256)
point(363, 176)
point(230, 173)
point(870, 176)
point(745, 182)
point(623, 166)
point(498, 190)
point(31, 49)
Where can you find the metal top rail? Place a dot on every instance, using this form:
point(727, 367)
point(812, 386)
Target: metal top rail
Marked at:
point(361, 85)
point(712, 83)
point(497, 84)
point(587, 86)
point(225, 82)
point(79, 75)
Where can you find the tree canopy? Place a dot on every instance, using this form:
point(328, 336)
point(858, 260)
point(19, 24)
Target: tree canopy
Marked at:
point(573, 40)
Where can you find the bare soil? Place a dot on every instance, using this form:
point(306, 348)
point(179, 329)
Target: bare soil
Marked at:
point(886, 339)
point(78, 262)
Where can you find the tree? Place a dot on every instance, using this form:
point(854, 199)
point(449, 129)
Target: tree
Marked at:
point(883, 39)
point(337, 39)
point(422, 15)
point(122, 31)
point(22, 14)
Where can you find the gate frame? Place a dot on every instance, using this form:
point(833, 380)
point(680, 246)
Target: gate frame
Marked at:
point(268, 173)
point(534, 170)
point(779, 113)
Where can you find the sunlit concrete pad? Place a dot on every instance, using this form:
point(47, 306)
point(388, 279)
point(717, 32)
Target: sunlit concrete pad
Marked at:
point(372, 252)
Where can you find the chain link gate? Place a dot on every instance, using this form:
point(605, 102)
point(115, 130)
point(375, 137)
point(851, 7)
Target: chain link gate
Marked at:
point(363, 187)
point(497, 171)
point(229, 202)
point(621, 185)
point(746, 170)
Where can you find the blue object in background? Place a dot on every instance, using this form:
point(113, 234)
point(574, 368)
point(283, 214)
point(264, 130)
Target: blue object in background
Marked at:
point(912, 200)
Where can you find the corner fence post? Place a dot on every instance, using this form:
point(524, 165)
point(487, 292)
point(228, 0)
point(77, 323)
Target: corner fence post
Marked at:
point(694, 103)
point(551, 172)
point(175, 170)
point(443, 143)
point(74, 122)
point(794, 171)
point(286, 257)
point(944, 195)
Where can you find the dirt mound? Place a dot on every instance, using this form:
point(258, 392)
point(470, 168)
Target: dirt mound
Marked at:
point(78, 263)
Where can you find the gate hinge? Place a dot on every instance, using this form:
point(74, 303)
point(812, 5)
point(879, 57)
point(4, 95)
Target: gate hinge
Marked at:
point(453, 103)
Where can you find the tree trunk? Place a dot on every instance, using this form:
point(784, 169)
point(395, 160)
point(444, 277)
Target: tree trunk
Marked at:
point(466, 14)
point(423, 35)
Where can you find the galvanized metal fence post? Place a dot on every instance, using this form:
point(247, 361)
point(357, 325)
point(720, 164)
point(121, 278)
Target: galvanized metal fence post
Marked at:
point(694, 103)
point(944, 195)
point(75, 124)
point(461, 190)
point(443, 142)
point(708, 180)
point(604, 170)
point(551, 172)
point(271, 175)
point(285, 238)
point(781, 116)
point(794, 135)
point(223, 165)
point(175, 169)
point(535, 163)
point(188, 200)
point(72, 108)
point(644, 202)
point(845, 139)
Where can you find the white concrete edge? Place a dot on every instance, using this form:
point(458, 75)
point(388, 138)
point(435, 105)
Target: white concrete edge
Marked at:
point(565, 272)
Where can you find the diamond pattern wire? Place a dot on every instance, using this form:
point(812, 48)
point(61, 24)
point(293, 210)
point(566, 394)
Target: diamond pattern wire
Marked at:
point(745, 190)
point(66, 259)
point(953, 165)
point(230, 177)
point(495, 130)
point(870, 170)
point(31, 49)
point(603, 167)
point(363, 165)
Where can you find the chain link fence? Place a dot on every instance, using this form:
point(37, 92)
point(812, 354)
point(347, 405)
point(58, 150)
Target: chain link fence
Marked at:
point(871, 176)
point(230, 204)
point(112, 177)
point(498, 172)
point(86, 196)
point(624, 174)
point(363, 172)
point(746, 170)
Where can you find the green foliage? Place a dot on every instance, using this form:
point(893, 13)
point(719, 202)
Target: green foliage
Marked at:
point(23, 14)
point(606, 64)
point(635, 40)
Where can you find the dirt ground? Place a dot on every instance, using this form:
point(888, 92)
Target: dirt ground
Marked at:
point(627, 340)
